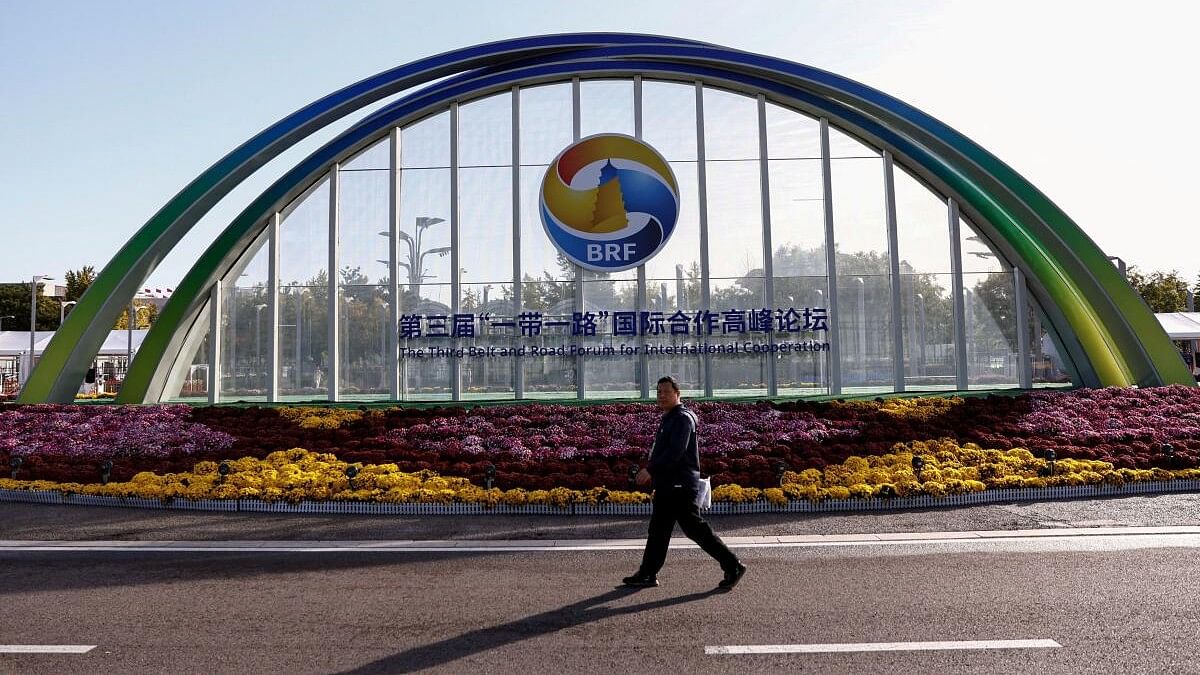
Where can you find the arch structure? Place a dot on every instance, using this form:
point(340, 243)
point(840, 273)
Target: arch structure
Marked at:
point(829, 239)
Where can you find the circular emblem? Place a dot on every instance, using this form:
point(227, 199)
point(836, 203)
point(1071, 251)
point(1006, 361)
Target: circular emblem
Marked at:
point(609, 202)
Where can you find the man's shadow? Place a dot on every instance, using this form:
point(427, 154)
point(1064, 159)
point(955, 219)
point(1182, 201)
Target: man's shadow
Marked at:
point(484, 639)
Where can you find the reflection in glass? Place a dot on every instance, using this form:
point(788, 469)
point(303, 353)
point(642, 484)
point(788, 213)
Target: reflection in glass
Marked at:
point(191, 369)
point(803, 372)
point(928, 320)
point(991, 324)
point(244, 301)
point(488, 376)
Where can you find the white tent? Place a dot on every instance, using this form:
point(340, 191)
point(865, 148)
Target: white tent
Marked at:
point(1181, 325)
point(16, 342)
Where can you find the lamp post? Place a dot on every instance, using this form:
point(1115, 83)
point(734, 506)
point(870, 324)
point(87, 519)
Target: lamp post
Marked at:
point(62, 310)
point(133, 314)
point(921, 316)
point(416, 257)
point(258, 338)
point(33, 316)
point(862, 327)
point(828, 333)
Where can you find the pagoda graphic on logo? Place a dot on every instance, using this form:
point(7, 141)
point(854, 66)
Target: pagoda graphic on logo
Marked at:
point(609, 202)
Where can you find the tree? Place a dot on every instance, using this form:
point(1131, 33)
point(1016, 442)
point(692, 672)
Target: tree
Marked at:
point(14, 302)
point(78, 282)
point(147, 312)
point(1162, 292)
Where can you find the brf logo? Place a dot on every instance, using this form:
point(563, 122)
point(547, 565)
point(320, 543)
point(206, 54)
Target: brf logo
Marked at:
point(609, 202)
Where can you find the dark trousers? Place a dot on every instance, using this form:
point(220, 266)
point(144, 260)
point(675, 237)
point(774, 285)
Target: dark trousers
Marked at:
point(673, 505)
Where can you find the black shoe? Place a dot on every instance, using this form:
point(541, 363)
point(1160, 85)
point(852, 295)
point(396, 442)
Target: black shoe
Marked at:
point(640, 581)
point(732, 577)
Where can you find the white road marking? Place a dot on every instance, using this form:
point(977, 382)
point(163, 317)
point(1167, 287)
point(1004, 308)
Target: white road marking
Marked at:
point(46, 649)
point(882, 647)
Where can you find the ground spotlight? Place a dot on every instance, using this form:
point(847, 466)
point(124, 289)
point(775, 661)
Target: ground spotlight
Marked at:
point(106, 468)
point(781, 468)
point(15, 463)
point(918, 463)
point(632, 473)
point(351, 472)
point(489, 475)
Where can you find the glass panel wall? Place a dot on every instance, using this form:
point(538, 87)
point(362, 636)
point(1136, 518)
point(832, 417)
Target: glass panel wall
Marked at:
point(547, 291)
point(926, 283)
point(486, 245)
point(863, 265)
point(673, 279)
point(798, 246)
point(489, 370)
point(364, 314)
point(733, 187)
point(1051, 366)
point(990, 313)
point(244, 330)
point(191, 370)
point(304, 297)
point(424, 264)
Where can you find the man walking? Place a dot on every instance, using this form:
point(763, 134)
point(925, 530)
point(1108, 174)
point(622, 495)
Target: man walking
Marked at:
point(674, 473)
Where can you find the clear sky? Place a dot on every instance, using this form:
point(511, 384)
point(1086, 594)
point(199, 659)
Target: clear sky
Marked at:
point(110, 108)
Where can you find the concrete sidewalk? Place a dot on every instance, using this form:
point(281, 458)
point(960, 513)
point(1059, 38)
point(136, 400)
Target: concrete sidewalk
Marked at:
point(38, 522)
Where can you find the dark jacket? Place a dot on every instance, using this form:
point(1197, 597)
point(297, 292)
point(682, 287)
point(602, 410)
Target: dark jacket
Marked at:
point(675, 457)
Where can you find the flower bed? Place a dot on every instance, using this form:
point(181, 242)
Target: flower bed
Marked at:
point(771, 451)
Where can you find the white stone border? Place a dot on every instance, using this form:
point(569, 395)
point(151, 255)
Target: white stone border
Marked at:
point(719, 508)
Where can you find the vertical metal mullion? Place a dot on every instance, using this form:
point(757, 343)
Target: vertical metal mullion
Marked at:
point(835, 358)
point(518, 367)
point(764, 184)
point(889, 196)
point(643, 362)
point(398, 385)
point(273, 309)
point(334, 323)
point(214, 343)
point(961, 378)
point(580, 368)
point(1024, 358)
point(702, 195)
point(455, 254)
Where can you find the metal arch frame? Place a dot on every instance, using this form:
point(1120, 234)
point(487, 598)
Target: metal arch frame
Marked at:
point(1115, 339)
point(480, 83)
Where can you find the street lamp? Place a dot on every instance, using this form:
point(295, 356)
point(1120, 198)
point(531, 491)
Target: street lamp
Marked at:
point(33, 315)
point(258, 337)
point(62, 310)
point(862, 326)
point(1120, 265)
point(820, 302)
point(416, 257)
point(921, 315)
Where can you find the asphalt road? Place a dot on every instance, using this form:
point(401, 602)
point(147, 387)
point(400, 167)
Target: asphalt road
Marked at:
point(1115, 604)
